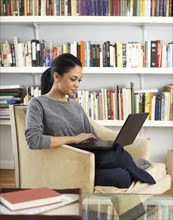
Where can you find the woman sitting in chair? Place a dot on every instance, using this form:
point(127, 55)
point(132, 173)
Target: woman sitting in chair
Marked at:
point(53, 119)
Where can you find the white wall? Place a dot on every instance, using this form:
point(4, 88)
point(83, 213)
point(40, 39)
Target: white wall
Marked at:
point(161, 137)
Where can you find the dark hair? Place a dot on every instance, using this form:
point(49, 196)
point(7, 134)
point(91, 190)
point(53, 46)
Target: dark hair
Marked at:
point(46, 81)
point(61, 64)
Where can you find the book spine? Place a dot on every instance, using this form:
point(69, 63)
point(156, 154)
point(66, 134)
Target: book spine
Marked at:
point(158, 53)
point(158, 107)
point(82, 52)
point(34, 51)
point(153, 7)
point(153, 53)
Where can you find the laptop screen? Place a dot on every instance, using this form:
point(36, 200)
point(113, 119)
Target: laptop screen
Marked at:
point(130, 128)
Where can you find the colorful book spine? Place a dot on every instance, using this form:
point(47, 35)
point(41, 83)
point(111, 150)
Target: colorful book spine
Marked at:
point(86, 8)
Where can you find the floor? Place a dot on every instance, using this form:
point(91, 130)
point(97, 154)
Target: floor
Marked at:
point(7, 180)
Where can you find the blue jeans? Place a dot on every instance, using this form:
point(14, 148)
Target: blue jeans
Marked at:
point(115, 167)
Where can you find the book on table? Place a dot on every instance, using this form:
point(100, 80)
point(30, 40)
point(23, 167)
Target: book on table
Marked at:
point(69, 208)
point(29, 198)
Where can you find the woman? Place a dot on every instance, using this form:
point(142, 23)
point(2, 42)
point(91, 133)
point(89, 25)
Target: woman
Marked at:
point(53, 120)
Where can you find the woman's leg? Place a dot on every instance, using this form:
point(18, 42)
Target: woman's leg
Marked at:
point(120, 158)
point(114, 158)
point(116, 177)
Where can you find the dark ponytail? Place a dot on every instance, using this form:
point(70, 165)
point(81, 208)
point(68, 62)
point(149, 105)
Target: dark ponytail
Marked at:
point(46, 81)
point(61, 64)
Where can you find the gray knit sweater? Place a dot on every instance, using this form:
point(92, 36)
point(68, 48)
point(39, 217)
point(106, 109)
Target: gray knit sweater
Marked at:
point(47, 117)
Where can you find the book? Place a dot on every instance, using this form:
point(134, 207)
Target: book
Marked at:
point(159, 47)
point(67, 199)
point(86, 7)
point(153, 54)
point(30, 198)
point(165, 108)
point(148, 104)
point(34, 51)
point(132, 97)
point(82, 52)
point(169, 88)
point(158, 107)
point(146, 90)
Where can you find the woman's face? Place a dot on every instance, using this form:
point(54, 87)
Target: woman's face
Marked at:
point(69, 82)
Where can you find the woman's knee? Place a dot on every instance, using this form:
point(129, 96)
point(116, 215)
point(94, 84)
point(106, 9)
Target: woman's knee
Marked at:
point(117, 177)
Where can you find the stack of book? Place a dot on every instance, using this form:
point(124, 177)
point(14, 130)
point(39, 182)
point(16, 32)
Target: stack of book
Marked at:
point(9, 95)
point(33, 201)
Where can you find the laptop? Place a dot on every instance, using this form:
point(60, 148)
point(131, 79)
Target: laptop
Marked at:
point(126, 135)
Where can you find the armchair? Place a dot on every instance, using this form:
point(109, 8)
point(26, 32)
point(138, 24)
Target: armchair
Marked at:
point(68, 167)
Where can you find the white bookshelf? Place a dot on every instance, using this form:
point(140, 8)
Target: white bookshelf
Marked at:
point(29, 27)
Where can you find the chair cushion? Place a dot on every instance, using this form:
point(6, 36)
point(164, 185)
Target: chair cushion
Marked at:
point(157, 171)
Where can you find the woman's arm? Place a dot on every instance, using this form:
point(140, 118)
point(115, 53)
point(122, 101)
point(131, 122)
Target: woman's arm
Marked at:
point(58, 141)
point(34, 126)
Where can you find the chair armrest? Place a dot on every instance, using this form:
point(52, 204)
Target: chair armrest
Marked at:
point(62, 167)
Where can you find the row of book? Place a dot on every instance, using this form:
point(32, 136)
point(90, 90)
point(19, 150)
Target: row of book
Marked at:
point(15, 94)
point(86, 8)
point(116, 104)
point(31, 91)
point(153, 53)
point(106, 104)
point(10, 95)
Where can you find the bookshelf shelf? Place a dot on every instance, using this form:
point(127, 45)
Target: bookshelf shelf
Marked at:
point(118, 123)
point(110, 70)
point(138, 20)
point(23, 70)
point(109, 123)
point(93, 70)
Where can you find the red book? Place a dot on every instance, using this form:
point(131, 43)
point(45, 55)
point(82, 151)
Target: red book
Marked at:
point(111, 105)
point(30, 198)
point(158, 53)
point(54, 53)
point(153, 7)
point(117, 7)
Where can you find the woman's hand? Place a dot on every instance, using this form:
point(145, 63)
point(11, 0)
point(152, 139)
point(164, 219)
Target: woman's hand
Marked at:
point(83, 137)
point(58, 141)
